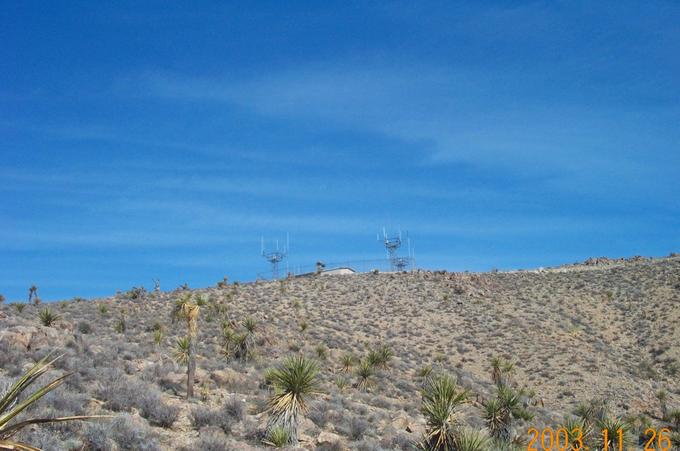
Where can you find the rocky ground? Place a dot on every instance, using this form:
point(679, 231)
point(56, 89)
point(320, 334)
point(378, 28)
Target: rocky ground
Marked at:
point(606, 330)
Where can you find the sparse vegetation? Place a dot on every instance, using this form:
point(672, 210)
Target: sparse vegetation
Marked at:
point(393, 350)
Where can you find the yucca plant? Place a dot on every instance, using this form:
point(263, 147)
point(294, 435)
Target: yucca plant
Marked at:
point(158, 336)
point(47, 317)
point(365, 373)
point(278, 437)
point(500, 411)
point(501, 371)
point(576, 428)
point(120, 326)
point(103, 309)
point(348, 360)
point(186, 310)
point(19, 307)
point(441, 397)
point(295, 380)
point(13, 403)
point(181, 351)
point(674, 416)
point(250, 325)
point(468, 439)
point(612, 426)
point(385, 354)
point(662, 396)
point(321, 351)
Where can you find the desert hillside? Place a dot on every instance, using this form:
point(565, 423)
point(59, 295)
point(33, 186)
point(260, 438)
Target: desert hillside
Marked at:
point(606, 331)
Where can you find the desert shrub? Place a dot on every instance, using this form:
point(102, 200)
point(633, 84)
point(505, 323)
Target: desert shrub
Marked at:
point(127, 432)
point(355, 428)
point(234, 408)
point(121, 393)
point(210, 439)
point(84, 327)
point(2, 298)
point(19, 307)
point(318, 413)
point(204, 416)
point(120, 326)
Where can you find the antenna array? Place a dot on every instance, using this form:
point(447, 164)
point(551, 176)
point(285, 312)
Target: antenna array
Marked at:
point(275, 256)
point(392, 245)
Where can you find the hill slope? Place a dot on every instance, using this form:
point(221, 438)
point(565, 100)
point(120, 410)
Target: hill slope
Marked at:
point(609, 331)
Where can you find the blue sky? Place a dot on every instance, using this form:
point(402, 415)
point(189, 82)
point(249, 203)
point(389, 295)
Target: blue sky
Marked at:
point(163, 139)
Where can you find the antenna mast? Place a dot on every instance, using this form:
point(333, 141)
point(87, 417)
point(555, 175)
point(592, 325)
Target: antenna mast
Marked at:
point(274, 257)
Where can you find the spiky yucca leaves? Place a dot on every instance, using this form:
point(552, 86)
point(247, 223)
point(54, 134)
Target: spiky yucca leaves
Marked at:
point(501, 371)
point(13, 403)
point(321, 351)
point(250, 325)
point(365, 373)
point(441, 397)
point(674, 417)
point(500, 411)
point(468, 439)
point(186, 310)
point(47, 317)
point(158, 336)
point(576, 427)
point(181, 351)
point(348, 360)
point(277, 437)
point(295, 380)
point(612, 426)
point(662, 396)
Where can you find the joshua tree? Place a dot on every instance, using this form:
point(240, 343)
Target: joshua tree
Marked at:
point(32, 293)
point(441, 397)
point(13, 403)
point(185, 310)
point(157, 285)
point(295, 381)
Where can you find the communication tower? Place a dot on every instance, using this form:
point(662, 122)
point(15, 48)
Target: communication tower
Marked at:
point(392, 245)
point(275, 255)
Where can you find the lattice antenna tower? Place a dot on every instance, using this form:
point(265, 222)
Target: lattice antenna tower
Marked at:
point(392, 245)
point(275, 256)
